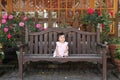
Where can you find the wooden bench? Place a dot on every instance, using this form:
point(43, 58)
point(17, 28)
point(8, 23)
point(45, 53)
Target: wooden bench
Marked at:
point(83, 46)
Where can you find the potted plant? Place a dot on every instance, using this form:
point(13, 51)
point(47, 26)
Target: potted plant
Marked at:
point(117, 58)
point(113, 43)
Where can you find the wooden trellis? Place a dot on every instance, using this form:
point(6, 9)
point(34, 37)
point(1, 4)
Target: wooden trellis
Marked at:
point(53, 13)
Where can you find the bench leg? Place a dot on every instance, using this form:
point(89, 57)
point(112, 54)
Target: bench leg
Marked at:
point(20, 70)
point(104, 69)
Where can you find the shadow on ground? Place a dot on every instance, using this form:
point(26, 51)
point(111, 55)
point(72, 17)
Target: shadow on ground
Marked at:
point(59, 71)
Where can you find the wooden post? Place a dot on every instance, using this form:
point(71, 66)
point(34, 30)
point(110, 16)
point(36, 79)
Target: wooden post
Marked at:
point(0, 8)
point(9, 6)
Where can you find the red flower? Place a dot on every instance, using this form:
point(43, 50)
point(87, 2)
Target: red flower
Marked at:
point(90, 11)
point(43, 29)
point(9, 36)
point(99, 12)
point(111, 13)
point(102, 25)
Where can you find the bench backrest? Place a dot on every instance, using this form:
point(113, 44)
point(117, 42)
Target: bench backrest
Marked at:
point(79, 42)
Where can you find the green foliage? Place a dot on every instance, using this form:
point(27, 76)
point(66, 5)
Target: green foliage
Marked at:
point(117, 53)
point(114, 40)
point(90, 19)
point(63, 25)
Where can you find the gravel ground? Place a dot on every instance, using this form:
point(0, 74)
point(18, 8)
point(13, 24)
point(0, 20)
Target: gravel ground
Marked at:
point(77, 71)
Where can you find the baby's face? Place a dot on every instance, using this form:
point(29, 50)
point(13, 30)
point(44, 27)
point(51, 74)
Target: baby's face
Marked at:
point(61, 38)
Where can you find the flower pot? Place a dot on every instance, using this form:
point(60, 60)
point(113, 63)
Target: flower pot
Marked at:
point(9, 54)
point(117, 63)
point(0, 61)
point(112, 48)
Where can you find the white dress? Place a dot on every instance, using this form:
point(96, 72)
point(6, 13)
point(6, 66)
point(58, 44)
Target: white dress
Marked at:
point(62, 49)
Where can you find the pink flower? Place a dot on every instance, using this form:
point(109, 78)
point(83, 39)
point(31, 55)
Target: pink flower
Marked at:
point(38, 25)
point(9, 36)
point(10, 17)
point(3, 21)
point(5, 16)
point(25, 18)
point(21, 24)
point(90, 11)
point(5, 30)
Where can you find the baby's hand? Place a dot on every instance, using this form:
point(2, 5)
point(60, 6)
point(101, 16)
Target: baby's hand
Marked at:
point(66, 50)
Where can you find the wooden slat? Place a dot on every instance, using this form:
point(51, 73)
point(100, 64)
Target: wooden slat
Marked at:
point(45, 43)
point(70, 43)
point(41, 44)
point(31, 44)
point(78, 43)
point(93, 43)
point(88, 44)
point(36, 44)
point(50, 43)
point(54, 39)
point(74, 42)
point(55, 36)
point(83, 43)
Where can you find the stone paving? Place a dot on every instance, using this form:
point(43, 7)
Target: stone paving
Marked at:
point(61, 72)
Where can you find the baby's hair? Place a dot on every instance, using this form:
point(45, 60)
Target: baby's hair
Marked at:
point(60, 34)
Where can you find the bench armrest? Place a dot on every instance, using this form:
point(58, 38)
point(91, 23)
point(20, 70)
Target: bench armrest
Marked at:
point(22, 45)
point(102, 45)
point(104, 49)
point(21, 50)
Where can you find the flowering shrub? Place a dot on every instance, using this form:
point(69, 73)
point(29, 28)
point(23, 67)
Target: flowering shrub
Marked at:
point(93, 17)
point(13, 27)
point(96, 17)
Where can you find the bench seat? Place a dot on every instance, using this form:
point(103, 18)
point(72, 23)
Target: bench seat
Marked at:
point(72, 58)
